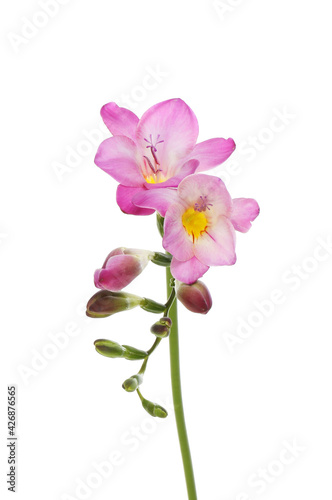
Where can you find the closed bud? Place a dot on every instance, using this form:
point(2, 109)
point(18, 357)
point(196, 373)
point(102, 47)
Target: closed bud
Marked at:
point(195, 297)
point(132, 383)
point(152, 306)
point(161, 328)
point(153, 409)
point(109, 348)
point(133, 354)
point(106, 303)
point(121, 267)
point(114, 350)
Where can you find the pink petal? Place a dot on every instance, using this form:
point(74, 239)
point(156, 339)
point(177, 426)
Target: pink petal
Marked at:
point(175, 124)
point(119, 121)
point(194, 186)
point(189, 271)
point(216, 246)
point(187, 169)
point(176, 239)
point(179, 173)
point(124, 196)
point(117, 157)
point(245, 210)
point(212, 152)
point(116, 251)
point(158, 199)
point(120, 271)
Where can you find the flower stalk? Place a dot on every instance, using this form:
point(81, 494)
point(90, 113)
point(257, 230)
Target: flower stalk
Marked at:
point(177, 393)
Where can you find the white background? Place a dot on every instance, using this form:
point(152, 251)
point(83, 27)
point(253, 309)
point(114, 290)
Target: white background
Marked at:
point(238, 65)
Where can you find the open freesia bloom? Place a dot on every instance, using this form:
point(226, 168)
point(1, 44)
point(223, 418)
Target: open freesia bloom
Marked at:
point(159, 150)
point(200, 222)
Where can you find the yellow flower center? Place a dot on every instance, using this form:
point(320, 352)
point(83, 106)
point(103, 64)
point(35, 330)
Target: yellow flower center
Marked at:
point(155, 178)
point(194, 222)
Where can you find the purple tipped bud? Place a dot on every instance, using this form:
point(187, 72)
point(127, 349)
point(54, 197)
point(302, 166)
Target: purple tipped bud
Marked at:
point(162, 327)
point(195, 297)
point(121, 267)
point(105, 303)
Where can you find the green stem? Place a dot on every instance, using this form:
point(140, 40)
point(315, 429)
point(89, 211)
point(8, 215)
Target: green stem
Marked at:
point(177, 395)
point(155, 345)
point(150, 351)
point(170, 301)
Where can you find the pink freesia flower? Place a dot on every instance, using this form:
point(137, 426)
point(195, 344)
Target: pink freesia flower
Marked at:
point(200, 222)
point(159, 150)
point(121, 267)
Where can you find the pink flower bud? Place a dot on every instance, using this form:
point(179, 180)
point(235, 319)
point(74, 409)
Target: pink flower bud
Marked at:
point(121, 267)
point(195, 297)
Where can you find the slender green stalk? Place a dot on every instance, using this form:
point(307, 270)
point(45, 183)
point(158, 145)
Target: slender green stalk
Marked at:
point(177, 395)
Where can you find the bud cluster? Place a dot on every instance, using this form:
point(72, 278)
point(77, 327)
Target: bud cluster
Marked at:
point(120, 268)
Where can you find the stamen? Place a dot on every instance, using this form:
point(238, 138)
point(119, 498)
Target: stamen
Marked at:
point(150, 164)
point(153, 149)
point(202, 205)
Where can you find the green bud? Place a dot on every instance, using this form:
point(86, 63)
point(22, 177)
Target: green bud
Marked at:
point(153, 409)
point(105, 303)
point(162, 327)
point(132, 383)
point(132, 353)
point(114, 350)
point(152, 306)
point(160, 225)
point(161, 259)
point(109, 348)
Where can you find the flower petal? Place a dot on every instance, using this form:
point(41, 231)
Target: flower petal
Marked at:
point(212, 152)
point(189, 271)
point(176, 239)
point(216, 246)
point(180, 173)
point(124, 196)
point(158, 199)
point(120, 271)
point(245, 210)
point(119, 121)
point(117, 157)
point(209, 187)
point(172, 122)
